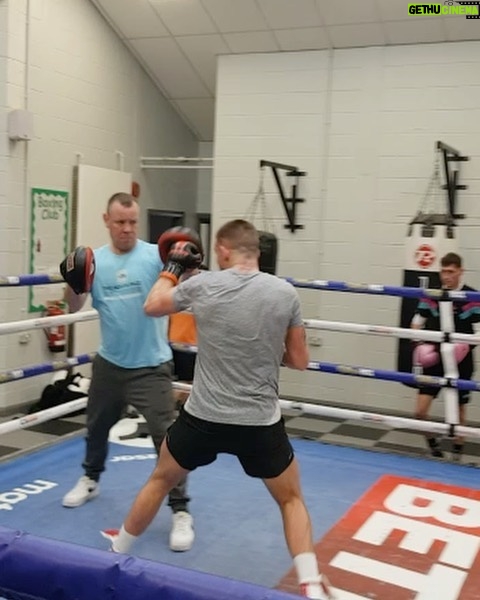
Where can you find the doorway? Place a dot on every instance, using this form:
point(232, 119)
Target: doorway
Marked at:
point(203, 228)
point(161, 220)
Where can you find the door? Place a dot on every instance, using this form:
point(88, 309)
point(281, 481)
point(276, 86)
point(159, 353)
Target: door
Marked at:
point(161, 220)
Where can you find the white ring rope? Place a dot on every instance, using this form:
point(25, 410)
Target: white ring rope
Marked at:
point(386, 331)
point(338, 326)
point(43, 415)
point(300, 407)
point(42, 322)
point(303, 408)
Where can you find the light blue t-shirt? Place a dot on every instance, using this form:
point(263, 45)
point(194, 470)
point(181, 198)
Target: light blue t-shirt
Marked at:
point(129, 338)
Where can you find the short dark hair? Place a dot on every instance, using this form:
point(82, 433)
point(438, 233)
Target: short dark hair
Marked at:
point(241, 236)
point(451, 258)
point(123, 198)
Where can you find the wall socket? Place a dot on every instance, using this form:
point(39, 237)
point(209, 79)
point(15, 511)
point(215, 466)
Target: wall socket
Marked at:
point(24, 338)
point(315, 340)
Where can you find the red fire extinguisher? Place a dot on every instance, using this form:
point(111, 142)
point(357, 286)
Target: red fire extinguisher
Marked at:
point(56, 333)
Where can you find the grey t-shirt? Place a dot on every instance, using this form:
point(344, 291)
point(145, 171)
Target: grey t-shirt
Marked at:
point(242, 320)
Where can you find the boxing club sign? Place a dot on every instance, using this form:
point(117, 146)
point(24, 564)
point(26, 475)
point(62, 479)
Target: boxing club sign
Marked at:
point(49, 217)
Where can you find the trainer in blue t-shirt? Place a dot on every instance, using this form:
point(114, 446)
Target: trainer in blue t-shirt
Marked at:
point(130, 339)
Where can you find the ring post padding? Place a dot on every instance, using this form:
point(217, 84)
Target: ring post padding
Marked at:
point(43, 569)
point(450, 395)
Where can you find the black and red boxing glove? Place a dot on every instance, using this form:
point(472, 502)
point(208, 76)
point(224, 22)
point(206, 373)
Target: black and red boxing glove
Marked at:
point(181, 257)
point(78, 269)
point(177, 234)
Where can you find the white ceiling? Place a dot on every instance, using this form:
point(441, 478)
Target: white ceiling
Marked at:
point(177, 41)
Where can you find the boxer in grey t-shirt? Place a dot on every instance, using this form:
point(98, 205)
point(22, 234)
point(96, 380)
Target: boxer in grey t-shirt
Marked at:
point(248, 324)
point(239, 353)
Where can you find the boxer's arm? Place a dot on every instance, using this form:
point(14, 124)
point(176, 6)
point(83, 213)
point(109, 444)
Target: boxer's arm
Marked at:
point(417, 322)
point(74, 301)
point(182, 257)
point(296, 354)
point(160, 300)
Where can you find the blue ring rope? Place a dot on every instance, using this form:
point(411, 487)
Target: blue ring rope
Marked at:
point(56, 365)
point(330, 286)
point(324, 367)
point(35, 279)
point(396, 376)
point(385, 290)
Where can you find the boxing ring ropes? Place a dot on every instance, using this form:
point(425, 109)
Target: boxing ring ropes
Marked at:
point(447, 338)
point(19, 548)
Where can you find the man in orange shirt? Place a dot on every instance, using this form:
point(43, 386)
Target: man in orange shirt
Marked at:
point(183, 331)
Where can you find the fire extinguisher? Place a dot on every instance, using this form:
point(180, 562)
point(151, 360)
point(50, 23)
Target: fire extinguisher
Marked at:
point(56, 333)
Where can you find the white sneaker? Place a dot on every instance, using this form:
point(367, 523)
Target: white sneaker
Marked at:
point(84, 490)
point(182, 534)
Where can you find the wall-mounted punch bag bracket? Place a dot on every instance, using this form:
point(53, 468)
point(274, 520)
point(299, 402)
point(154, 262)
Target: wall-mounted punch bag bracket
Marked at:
point(289, 204)
point(452, 176)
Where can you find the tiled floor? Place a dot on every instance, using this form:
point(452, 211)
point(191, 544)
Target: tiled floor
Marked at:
point(325, 429)
point(27, 440)
point(371, 436)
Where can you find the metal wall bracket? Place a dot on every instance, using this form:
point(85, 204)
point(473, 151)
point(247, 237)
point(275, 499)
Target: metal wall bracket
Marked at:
point(289, 204)
point(452, 176)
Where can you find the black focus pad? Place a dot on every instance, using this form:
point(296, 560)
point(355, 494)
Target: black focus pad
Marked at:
point(78, 269)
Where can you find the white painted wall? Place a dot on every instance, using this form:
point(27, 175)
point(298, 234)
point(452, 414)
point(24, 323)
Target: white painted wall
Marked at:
point(88, 96)
point(363, 124)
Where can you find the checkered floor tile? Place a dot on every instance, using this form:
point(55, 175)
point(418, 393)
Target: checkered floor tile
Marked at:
point(374, 437)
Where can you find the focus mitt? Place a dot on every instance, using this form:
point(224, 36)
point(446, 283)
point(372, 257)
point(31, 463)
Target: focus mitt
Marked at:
point(78, 269)
point(177, 234)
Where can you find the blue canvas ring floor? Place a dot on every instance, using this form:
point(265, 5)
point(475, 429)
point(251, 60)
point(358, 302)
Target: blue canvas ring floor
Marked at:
point(238, 527)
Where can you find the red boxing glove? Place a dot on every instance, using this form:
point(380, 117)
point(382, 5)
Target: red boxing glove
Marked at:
point(78, 269)
point(177, 234)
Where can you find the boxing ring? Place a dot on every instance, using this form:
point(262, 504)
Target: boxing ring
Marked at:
point(58, 568)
